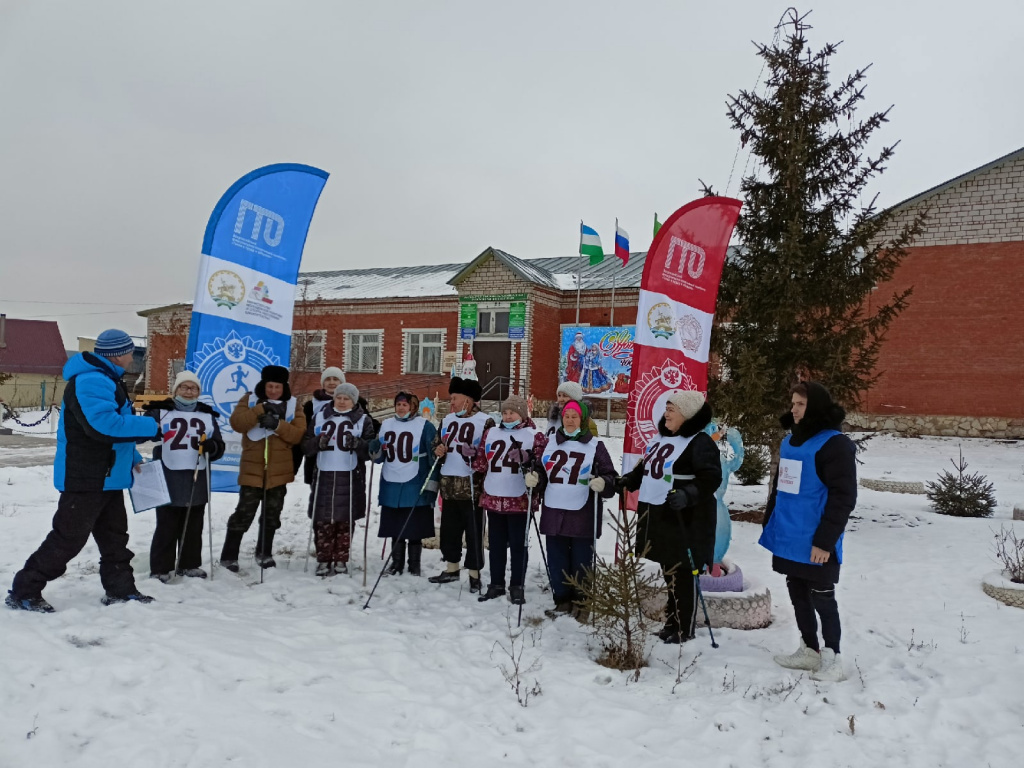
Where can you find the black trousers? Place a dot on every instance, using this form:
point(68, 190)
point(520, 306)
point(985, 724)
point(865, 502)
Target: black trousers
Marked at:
point(681, 611)
point(458, 518)
point(171, 533)
point(100, 514)
point(508, 534)
point(810, 598)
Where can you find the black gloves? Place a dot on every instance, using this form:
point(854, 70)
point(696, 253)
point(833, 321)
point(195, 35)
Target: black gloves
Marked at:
point(681, 498)
point(350, 442)
point(269, 420)
point(324, 443)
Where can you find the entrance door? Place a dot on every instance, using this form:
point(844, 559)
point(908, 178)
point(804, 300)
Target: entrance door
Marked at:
point(493, 360)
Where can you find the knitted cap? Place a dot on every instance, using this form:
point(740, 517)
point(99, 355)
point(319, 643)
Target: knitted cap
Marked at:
point(572, 389)
point(581, 408)
point(688, 402)
point(114, 343)
point(181, 378)
point(332, 371)
point(348, 390)
point(517, 404)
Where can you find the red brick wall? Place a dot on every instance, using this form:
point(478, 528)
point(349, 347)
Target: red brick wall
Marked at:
point(958, 349)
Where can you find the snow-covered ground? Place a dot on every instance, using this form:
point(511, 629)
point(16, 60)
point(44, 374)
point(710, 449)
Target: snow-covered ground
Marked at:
point(293, 671)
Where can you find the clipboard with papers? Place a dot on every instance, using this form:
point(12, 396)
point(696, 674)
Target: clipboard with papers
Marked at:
point(149, 489)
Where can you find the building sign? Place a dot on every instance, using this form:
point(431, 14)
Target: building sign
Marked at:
point(517, 320)
point(495, 297)
point(467, 321)
point(600, 359)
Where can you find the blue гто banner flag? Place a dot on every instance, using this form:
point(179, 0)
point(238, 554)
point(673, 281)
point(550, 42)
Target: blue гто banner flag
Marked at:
point(245, 294)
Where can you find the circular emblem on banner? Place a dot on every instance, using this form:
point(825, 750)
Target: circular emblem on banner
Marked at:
point(690, 332)
point(226, 288)
point(661, 320)
point(653, 389)
point(230, 367)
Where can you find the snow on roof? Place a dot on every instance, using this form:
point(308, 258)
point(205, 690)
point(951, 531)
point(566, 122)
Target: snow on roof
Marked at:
point(378, 283)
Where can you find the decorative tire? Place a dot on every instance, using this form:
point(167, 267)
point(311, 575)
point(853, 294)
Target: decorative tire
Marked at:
point(730, 581)
point(1012, 596)
point(738, 611)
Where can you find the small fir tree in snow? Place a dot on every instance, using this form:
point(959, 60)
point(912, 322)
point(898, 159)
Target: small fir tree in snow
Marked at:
point(960, 494)
point(799, 299)
point(614, 598)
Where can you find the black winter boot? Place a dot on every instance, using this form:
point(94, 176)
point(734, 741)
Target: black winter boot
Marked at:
point(265, 549)
point(415, 550)
point(517, 595)
point(493, 591)
point(229, 553)
point(474, 584)
point(397, 564)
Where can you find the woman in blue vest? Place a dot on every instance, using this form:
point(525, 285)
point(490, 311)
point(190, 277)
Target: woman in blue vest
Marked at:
point(813, 494)
point(403, 446)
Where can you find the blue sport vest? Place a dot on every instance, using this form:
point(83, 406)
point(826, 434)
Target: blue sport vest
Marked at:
point(799, 501)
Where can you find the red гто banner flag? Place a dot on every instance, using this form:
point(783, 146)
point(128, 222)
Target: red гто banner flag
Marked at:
point(678, 293)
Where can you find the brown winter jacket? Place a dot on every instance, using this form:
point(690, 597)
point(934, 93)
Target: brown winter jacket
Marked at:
point(280, 463)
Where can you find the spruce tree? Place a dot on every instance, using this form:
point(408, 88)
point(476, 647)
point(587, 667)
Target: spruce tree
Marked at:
point(799, 300)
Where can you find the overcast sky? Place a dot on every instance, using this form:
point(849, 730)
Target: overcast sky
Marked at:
point(446, 126)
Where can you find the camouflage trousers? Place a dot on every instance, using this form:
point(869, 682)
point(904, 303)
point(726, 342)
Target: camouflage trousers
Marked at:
point(333, 541)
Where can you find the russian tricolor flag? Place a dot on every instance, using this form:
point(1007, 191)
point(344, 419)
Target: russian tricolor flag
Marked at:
point(621, 243)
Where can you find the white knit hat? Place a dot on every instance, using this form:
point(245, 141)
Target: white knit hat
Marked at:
point(572, 389)
point(332, 371)
point(688, 402)
point(182, 377)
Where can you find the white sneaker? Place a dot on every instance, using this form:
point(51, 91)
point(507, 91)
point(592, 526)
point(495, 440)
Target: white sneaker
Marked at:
point(831, 670)
point(802, 658)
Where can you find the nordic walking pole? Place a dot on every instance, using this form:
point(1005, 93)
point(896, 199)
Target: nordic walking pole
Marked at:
point(188, 509)
point(526, 548)
point(351, 482)
point(209, 515)
point(408, 517)
point(263, 507)
point(366, 522)
point(700, 594)
point(312, 516)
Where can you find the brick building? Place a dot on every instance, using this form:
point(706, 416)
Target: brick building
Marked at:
point(393, 327)
point(953, 362)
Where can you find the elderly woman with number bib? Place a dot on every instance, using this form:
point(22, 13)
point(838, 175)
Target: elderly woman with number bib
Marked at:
point(403, 446)
point(340, 441)
point(191, 438)
point(575, 471)
point(677, 479)
point(813, 494)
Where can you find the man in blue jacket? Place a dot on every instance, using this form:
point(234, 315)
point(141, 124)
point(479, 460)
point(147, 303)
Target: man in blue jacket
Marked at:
point(95, 456)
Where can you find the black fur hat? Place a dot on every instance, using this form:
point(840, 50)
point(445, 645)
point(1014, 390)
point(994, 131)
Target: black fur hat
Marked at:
point(467, 387)
point(275, 373)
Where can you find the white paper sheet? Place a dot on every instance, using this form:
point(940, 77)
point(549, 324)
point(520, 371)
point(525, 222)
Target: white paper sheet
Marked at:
point(150, 487)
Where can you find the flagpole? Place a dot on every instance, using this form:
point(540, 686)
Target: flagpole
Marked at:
point(611, 321)
point(579, 274)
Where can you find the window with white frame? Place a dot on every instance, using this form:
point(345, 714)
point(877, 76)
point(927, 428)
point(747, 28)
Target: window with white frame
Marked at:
point(308, 350)
point(363, 351)
point(492, 321)
point(423, 348)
